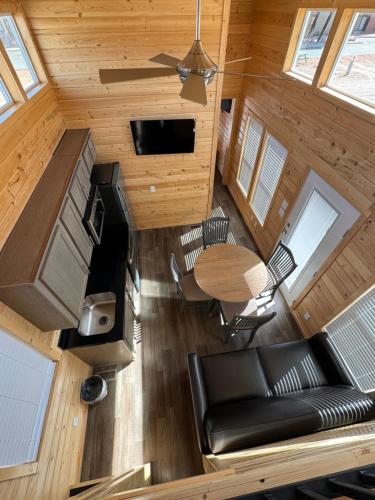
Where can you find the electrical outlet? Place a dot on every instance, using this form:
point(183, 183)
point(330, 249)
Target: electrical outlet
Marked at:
point(281, 212)
point(152, 189)
point(284, 205)
point(75, 422)
point(306, 316)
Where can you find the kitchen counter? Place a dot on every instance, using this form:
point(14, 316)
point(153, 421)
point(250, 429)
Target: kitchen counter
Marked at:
point(108, 274)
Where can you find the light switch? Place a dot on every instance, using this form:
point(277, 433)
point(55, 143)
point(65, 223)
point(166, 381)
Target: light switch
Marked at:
point(281, 212)
point(152, 189)
point(306, 316)
point(75, 422)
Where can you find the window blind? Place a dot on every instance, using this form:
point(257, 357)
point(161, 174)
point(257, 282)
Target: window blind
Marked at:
point(249, 155)
point(352, 334)
point(25, 383)
point(270, 170)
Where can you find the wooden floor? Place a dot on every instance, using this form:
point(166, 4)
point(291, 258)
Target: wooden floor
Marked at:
point(147, 416)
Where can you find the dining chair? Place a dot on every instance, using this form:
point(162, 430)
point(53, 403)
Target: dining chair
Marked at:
point(280, 265)
point(215, 230)
point(187, 288)
point(246, 324)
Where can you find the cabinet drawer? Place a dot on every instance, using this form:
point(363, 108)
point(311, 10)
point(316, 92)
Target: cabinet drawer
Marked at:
point(83, 176)
point(73, 224)
point(91, 146)
point(78, 196)
point(64, 271)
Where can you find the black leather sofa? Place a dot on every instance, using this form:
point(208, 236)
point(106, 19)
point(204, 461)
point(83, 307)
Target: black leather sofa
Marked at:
point(265, 394)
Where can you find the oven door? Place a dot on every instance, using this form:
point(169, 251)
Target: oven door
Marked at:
point(94, 215)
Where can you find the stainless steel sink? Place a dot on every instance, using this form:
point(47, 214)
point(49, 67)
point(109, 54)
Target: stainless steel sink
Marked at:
point(98, 314)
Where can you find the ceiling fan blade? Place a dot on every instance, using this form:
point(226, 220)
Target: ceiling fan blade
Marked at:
point(165, 59)
point(238, 60)
point(194, 89)
point(126, 75)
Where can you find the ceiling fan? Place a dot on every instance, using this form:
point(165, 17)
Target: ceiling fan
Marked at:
point(196, 70)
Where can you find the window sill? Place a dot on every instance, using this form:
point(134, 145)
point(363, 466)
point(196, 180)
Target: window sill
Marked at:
point(8, 117)
point(296, 77)
point(34, 90)
point(16, 471)
point(364, 110)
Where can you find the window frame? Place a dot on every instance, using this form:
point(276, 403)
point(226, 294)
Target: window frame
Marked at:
point(267, 130)
point(354, 18)
point(8, 98)
point(343, 311)
point(258, 169)
point(19, 96)
point(251, 117)
point(343, 20)
point(299, 39)
point(22, 47)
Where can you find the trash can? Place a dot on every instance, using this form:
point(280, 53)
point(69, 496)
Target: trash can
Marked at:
point(93, 390)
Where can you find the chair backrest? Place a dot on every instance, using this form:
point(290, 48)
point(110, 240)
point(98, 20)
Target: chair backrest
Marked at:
point(215, 230)
point(249, 323)
point(281, 263)
point(175, 271)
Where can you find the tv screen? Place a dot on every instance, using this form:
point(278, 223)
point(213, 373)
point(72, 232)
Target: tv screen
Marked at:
point(163, 137)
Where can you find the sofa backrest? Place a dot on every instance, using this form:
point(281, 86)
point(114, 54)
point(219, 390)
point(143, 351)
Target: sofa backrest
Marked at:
point(291, 366)
point(233, 376)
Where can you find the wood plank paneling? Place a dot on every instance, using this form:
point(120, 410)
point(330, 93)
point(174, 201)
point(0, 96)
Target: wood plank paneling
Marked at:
point(321, 134)
point(237, 45)
point(78, 38)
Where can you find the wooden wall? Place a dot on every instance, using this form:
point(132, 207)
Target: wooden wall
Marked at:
point(319, 133)
point(78, 38)
point(237, 45)
point(27, 139)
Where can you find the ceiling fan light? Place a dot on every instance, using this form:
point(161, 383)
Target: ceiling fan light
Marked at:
point(197, 62)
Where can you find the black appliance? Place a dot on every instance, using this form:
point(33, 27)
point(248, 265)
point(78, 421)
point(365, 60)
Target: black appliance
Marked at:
point(105, 177)
point(94, 215)
point(156, 137)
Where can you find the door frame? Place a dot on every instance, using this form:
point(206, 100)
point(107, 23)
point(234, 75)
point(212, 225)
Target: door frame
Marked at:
point(311, 182)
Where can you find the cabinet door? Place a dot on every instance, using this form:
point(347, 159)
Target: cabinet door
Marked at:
point(73, 224)
point(64, 272)
point(130, 322)
point(83, 176)
point(78, 196)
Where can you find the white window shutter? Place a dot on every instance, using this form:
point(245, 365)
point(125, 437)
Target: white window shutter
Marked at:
point(352, 334)
point(249, 155)
point(25, 383)
point(272, 165)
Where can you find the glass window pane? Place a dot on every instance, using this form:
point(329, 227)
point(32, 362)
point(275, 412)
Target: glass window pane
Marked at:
point(314, 34)
point(354, 71)
point(17, 53)
point(249, 156)
point(5, 98)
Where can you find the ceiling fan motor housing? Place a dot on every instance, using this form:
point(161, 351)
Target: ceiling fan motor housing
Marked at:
point(197, 62)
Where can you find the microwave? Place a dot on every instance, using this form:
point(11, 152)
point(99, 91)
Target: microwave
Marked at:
point(94, 215)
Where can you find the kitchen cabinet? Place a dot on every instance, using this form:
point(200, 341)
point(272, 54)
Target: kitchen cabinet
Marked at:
point(44, 264)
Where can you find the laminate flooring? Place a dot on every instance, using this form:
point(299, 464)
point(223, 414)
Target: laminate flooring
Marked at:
point(147, 416)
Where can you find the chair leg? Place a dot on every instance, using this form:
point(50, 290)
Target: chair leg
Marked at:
point(251, 337)
point(214, 309)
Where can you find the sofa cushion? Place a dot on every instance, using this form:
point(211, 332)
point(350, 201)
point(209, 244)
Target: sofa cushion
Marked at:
point(337, 405)
point(291, 366)
point(254, 422)
point(233, 376)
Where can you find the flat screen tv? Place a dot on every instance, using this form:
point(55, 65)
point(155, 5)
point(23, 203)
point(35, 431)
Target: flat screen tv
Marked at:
point(163, 137)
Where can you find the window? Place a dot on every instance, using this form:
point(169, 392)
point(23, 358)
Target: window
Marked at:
point(353, 73)
point(352, 334)
point(25, 383)
point(271, 166)
point(315, 30)
point(249, 155)
point(5, 98)
point(17, 53)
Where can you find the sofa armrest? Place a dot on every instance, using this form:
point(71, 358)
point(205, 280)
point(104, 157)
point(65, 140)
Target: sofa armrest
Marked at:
point(198, 393)
point(333, 367)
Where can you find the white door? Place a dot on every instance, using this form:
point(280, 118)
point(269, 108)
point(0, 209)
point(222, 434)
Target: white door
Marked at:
point(318, 222)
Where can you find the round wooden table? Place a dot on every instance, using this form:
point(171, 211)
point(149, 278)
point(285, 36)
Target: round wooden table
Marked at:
point(231, 273)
